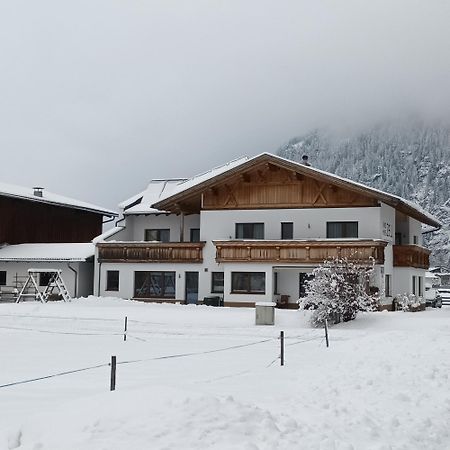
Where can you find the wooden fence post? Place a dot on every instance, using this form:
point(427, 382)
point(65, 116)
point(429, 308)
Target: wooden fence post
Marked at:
point(282, 348)
point(113, 373)
point(326, 333)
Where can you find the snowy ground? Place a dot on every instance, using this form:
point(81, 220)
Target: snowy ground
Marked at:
point(382, 384)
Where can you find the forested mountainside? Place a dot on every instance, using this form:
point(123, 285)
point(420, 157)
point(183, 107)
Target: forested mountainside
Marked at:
point(410, 159)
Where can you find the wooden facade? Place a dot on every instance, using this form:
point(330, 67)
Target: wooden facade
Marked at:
point(25, 221)
point(147, 252)
point(302, 252)
point(411, 256)
point(270, 186)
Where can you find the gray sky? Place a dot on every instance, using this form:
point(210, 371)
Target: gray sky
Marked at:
point(98, 97)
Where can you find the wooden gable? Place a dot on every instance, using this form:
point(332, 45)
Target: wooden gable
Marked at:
point(269, 186)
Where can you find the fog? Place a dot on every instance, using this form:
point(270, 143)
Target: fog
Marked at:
point(98, 97)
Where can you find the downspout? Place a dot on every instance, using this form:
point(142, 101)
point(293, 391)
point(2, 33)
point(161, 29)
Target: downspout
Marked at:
point(76, 279)
point(99, 277)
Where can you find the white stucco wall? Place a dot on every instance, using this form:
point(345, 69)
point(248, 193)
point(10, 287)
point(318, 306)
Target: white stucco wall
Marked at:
point(402, 280)
point(84, 278)
point(137, 224)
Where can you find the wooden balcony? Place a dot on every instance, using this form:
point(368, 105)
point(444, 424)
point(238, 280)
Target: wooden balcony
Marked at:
point(411, 256)
point(147, 252)
point(314, 252)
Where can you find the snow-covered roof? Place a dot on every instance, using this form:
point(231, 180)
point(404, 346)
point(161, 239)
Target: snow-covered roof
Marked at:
point(26, 193)
point(107, 234)
point(142, 203)
point(202, 180)
point(158, 190)
point(47, 252)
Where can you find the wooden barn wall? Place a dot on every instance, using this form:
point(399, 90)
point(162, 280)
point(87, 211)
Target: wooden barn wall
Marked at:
point(280, 188)
point(23, 221)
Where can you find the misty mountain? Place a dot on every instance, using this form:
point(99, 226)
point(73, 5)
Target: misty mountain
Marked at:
point(409, 158)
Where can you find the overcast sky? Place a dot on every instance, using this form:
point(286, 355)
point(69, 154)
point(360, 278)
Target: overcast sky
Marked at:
point(98, 97)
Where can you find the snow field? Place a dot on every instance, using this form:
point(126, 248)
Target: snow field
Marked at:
point(382, 384)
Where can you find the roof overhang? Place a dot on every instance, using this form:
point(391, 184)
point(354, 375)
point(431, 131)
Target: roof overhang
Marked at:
point(173, 202)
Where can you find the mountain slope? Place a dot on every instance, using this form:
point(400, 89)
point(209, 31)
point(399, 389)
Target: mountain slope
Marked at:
point(409, 158)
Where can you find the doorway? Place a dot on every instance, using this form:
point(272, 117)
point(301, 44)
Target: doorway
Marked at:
point(191, 288)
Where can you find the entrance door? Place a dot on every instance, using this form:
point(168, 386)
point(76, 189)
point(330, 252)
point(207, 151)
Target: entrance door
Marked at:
point(191, 290)
point(303, 279)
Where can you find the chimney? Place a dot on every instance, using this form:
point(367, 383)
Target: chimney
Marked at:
point(38, 191)
point(305, 160)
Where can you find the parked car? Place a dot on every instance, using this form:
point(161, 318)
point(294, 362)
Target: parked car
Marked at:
point(444, 293)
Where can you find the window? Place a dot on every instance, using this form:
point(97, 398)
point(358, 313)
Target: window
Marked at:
point(387, 286)
point(195, 235)
point(287, 230)
point(249, 231)
point(398, 238)
point(414, 285)
point(275, 283)
point(2, 277)
point(248, 282)
point(415, 240)
point(44, 278)
point(217, 282)
point(112, 280)
point(158, 234)
point(154, 284)
point(420, 286)
point(336, 230)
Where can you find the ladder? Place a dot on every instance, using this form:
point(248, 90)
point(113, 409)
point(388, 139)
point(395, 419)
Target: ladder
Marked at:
point(55, 281)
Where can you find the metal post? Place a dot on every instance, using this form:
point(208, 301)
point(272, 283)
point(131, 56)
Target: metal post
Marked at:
point(113, 373)
point(282, 348)
point(326, 332)
point(125, 329)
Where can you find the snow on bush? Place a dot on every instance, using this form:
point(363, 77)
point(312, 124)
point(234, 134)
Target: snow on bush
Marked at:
point(410, 302)
point(338, 290)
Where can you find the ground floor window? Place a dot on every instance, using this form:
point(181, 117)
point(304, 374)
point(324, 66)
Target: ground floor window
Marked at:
point(217, 282)
point(248, 282)
point(154, 284)
point(112, 280)
point(414, 285)
point(44, 278)
point(2, 277)
point(420, 286)
point(387, 286)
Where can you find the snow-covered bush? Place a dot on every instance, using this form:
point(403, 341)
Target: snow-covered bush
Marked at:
point(338, 290)
point(410, 302)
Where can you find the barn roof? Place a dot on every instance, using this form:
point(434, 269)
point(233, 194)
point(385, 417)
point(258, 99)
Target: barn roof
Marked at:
point(26, 193)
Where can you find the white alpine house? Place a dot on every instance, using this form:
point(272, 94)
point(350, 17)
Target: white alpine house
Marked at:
point(253, 230)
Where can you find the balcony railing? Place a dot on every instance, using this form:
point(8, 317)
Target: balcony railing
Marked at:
point(411, 256)
point(145, 252)
point(314, 252)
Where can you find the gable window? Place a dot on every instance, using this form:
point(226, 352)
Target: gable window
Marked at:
point(154, 284)
point(217, 282)
point(157, 234)
point(337, 230)
point(248, 282)
point(195, 235)
point(44, 278)
point(249, 231)
point(112, 280)
point(2, 277)
point(287, 230)
point(415, 240)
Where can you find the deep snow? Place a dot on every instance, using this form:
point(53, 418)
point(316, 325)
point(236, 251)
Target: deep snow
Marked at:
point(382, 384)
